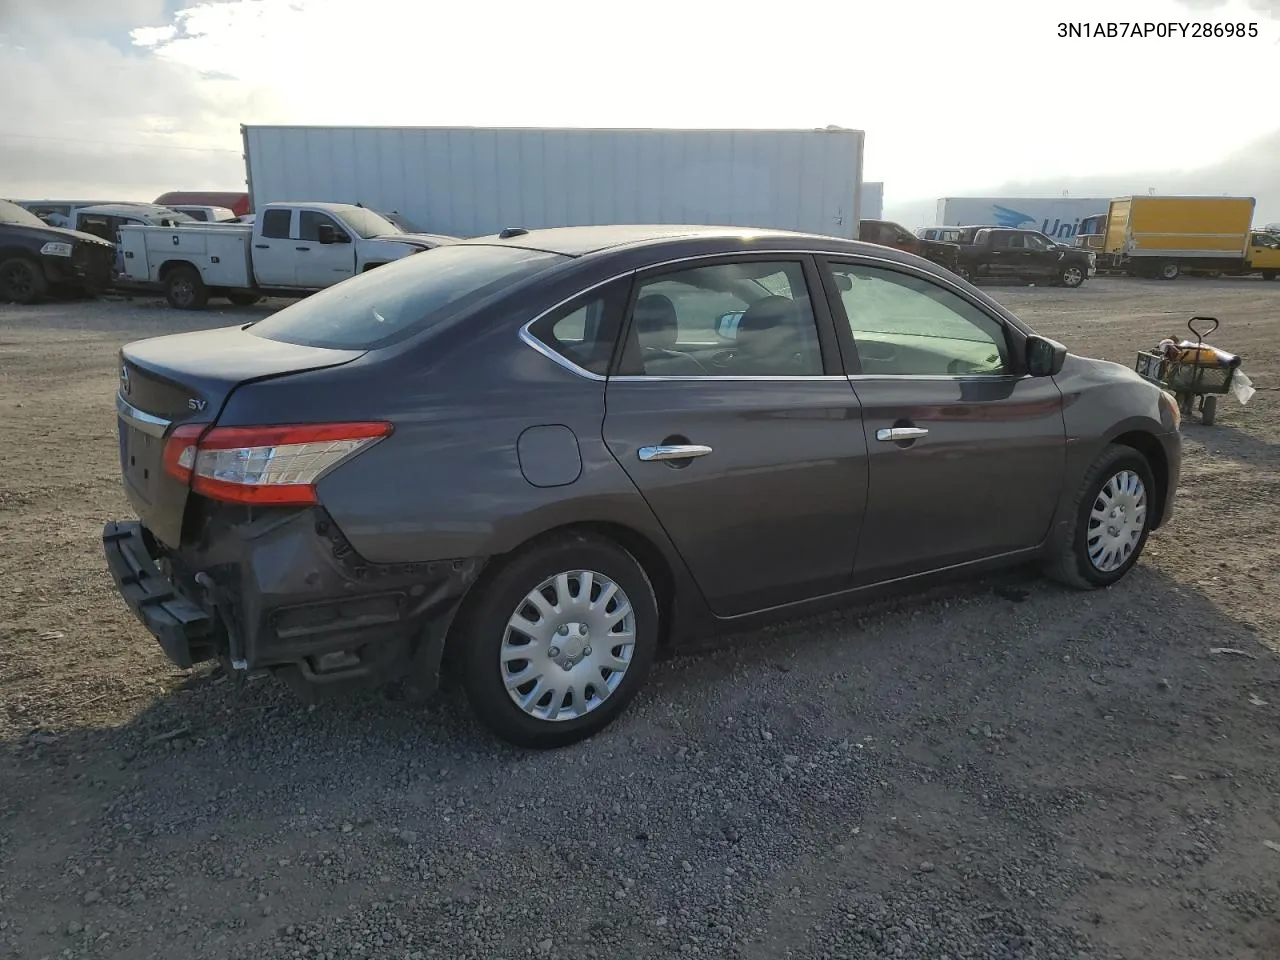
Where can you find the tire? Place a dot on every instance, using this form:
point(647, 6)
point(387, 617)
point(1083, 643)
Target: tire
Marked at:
point(22, 280)
point(243, 299)
point(1270, 274)
point(483, 630)
point(964, 273)
point(184, 288)
point(1168, 271)
point(1209, 410)
point(1071, 563)
point(1071, 276)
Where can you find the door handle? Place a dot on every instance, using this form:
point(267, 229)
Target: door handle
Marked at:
point(901, 433)
point(262, 246)
point(674, 452)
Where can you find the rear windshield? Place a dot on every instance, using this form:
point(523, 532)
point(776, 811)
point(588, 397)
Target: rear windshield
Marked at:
point(404, 297)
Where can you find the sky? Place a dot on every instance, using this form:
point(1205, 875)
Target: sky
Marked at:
point(125, 99)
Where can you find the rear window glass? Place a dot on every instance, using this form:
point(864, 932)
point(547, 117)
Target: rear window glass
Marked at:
point(404, 297)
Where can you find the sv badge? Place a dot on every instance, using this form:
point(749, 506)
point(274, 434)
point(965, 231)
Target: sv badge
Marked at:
point(194, 404)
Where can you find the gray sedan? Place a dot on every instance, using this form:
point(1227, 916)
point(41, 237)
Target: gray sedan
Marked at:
point(543, 455)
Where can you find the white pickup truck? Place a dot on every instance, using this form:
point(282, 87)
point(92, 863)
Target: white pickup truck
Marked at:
point(290, 250)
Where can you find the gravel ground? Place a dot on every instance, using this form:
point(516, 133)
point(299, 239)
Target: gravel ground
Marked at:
point(996, 769)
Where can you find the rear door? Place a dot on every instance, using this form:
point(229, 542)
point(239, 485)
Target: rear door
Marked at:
point(749, 449)
point(1007, 255)
point(966, 452)
point(323, 264)
point(275, 262)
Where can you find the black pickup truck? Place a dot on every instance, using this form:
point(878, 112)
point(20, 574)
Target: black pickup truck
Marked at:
point(36, 259)
point(1001, 253)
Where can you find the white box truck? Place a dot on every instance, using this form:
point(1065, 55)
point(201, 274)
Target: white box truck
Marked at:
point(1056, 217)
point(474, 181)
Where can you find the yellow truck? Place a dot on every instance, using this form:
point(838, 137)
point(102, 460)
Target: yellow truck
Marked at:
point(1167, 236)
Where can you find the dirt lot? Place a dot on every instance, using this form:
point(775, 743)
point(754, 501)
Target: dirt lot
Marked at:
point(1000, 769)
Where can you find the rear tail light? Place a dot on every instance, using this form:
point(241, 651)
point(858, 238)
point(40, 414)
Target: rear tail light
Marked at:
point(264, 465)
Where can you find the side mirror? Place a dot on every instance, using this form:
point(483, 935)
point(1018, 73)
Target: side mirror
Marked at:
point(727, 325)
point(1045, 357)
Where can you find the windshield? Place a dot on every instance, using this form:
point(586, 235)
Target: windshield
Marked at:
point(12, 213)
point(404, 297)
point(366, 223)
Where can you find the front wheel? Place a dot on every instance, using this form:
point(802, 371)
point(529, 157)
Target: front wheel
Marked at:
point(1071, 276)
point(243, 298)
point(184, 288)
point(558, 641)
point(1270, 274)
point(1111, 521)
point(1169, 271)
point(22, 280)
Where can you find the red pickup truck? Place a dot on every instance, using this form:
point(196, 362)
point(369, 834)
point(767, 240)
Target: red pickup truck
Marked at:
point(889, 234)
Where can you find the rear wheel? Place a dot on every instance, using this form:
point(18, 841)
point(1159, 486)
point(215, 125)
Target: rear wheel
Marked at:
point(1270, 274)
point(1169, 271)
point(558, 641)
point(243, 298)
point(22, 280)
point(184, 288)
point(1111, 520)
point(1072, 275)
point(1209, 410)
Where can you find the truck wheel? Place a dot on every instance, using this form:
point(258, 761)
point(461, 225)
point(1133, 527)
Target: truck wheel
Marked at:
point(1071, 276)
point(964, 273)
point(184, 288)
point(22, 281)
point(1270, 274)
point(1169, 271)
point(243, 299)
point(1209, 410)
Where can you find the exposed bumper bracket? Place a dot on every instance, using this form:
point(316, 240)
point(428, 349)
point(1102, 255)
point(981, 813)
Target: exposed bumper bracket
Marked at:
point(174, 620)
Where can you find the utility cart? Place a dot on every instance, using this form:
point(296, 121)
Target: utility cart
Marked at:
point(1194, 372)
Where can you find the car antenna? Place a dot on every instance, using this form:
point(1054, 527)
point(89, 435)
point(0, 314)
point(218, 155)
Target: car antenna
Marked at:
point(510, 232)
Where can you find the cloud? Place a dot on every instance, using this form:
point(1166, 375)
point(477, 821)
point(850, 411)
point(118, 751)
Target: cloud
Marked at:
point(99, 114)
point(1250, 172)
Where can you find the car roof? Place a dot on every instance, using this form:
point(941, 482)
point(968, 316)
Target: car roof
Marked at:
point(585, 240)
point(127, 209)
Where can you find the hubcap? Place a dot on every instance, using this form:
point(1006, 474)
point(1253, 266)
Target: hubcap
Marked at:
point(1116, 522)
point(182, 290)
point(567, 646)
point(1072, 276)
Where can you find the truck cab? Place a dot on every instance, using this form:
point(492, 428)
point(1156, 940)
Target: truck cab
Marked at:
point(1009, 253)
point(105, 220)
point(1264, 253)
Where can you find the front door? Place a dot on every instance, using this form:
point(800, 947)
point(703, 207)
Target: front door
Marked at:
point(1043, 256)
point(323, 264)
point(1007, 254)
point(745, 439)
point(275, 262)
point(966, 452)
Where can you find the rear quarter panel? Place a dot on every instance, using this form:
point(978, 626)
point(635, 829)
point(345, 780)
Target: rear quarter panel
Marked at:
point(448, 483)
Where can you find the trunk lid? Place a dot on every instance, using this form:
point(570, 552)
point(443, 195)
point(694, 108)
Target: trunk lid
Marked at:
point(165, 382)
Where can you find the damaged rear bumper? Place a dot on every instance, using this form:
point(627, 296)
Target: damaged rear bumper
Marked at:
point(182, 627)
point(285, 591)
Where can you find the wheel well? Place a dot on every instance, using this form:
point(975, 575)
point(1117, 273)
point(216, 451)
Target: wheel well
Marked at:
point(1150, 448)
point(169, 266)
point(370, 266)
point(637, 544)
